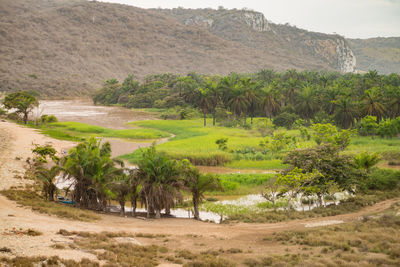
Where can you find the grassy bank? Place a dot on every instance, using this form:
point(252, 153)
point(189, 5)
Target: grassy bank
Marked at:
point(76, 131)
point(31, 199)
point(194, 141)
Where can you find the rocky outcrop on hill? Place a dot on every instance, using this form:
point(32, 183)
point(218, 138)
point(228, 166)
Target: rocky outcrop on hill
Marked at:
point(71, 47)
point(252, 29)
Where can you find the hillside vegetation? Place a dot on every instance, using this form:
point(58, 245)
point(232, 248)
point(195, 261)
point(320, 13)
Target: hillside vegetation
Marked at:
point(382, 54)
point(70, 47)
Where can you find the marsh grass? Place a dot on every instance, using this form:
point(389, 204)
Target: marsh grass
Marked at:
point(352, 204)
point(31, 199)
point(373, 240)
point(115, 253)
point(76, 131)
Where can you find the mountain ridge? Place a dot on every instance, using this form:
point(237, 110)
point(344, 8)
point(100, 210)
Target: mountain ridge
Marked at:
point(70, 47)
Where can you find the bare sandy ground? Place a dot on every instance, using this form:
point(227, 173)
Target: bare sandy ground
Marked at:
point(16, 141)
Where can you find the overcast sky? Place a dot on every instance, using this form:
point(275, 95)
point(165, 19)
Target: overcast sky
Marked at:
point(351, 18)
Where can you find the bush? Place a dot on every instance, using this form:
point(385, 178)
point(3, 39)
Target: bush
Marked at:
point(368, 125)
point(204, 159)
point(383, 180)
point(388, 128)
point(48, 119)
point(285, 119)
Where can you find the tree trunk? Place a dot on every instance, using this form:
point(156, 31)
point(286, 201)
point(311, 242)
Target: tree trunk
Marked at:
point(288, 207)
point(213, 118)
point(196, 207)
point(122, 203)
point(251, 120)
point(158, 214)
point(51, 195)
point(147, 207)
point(26, 117)
point(133, 204)
point(205, 119)
point(168, 210)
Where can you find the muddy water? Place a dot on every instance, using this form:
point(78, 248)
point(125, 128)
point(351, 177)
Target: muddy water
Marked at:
point(84, 111)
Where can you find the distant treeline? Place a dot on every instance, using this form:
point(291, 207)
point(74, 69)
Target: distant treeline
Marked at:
point(285, 97)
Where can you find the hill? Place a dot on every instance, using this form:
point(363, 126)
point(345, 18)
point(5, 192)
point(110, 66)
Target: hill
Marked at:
point(71, 47)
point(382, 54)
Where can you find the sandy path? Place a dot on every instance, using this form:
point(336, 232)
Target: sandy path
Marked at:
point(17, 142)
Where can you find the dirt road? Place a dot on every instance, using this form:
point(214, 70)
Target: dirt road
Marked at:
point(16, 143)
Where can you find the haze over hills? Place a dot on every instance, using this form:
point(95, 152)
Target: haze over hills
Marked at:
point(71, 47)
point(382, 54)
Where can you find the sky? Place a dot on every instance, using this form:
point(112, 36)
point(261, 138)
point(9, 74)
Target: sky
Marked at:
point(350, 18)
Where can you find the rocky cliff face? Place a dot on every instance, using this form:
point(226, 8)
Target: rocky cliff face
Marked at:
point(256, 21)
point(252, 29)
point(346, 60)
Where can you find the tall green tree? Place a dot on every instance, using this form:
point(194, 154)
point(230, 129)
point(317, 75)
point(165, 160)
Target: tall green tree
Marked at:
point(198, 184)
point(269, 101)
point(47, 176)
point(373, 104)
point(345, 111)
point(306, 103)
point(90, 167)
point(161, 181)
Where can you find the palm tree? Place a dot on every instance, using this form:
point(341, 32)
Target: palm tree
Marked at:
point(269, 101)
point(291, 88)
point(372, 103)
point(394, 100)
point(214, 95)
point(134, 189)
point(251, 96)
point(306, 103)
point(238, 102)
point(198, 184)
point(226, 85)
point(366, 161)
point(345, 111)
point(90, 167)
point(266, 75)
point(204, 102)
point(160, 180)
point(47, 177)
point(120, 188)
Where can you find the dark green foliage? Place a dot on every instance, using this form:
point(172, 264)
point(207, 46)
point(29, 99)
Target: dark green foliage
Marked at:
point(48, 119)
point(329, 162)
point(283, 97)
point(383, 180)
point(285, 119)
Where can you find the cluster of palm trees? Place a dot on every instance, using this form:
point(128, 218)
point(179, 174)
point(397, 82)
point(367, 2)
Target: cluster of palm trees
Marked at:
point(158, 182)
point(344, 98)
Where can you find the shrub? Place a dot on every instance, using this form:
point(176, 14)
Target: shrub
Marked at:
point(383, 180)
point(368, 125)
point(204, 159)
point(285, 119)
point(388, 128)
point(48, 119)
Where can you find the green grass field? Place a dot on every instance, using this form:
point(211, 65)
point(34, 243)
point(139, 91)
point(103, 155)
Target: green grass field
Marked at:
point(193, 140)
point(75, 131)
point(190, 139)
